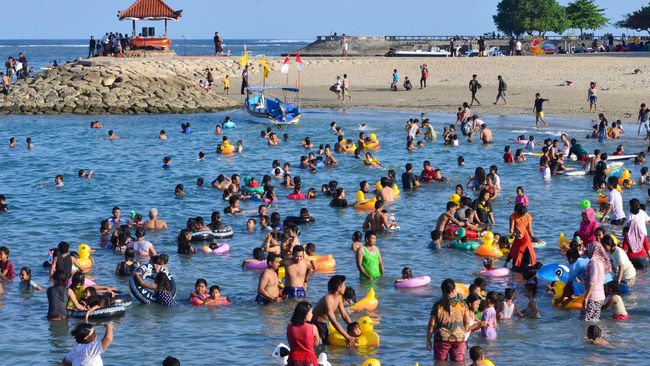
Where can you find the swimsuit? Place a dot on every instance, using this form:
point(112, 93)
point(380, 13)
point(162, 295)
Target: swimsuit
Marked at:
point(294, 292)
point(261, 300)
point(370, 263)
point(323, 332)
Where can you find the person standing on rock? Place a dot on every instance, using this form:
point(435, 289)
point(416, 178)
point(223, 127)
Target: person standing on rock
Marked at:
point(474, 86)
point(244, 80)
point(344, 45)
point(218, 44)
point(92, 46)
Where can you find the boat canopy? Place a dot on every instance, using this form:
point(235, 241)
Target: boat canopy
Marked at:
point(260, 89)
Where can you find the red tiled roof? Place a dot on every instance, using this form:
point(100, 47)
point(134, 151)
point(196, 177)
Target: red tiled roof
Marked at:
point(149, 10)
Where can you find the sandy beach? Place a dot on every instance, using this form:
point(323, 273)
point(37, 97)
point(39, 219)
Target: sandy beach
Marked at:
point(170, 85)
point(447, 86)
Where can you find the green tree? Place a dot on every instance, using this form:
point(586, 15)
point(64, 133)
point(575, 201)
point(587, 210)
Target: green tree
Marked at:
point(638, 20)
point(508, 19)
point(585, 14)
point(528, 16)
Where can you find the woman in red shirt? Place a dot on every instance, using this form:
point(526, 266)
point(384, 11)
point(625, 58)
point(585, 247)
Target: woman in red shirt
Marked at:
point(302, 337)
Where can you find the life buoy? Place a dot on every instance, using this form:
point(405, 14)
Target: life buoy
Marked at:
point(108, 312)
point(122, 299)
point(299, 220)
point(148, 272)
point(202, 236)
point(224, 233)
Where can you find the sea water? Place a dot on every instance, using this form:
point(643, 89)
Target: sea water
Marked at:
point(128, 174)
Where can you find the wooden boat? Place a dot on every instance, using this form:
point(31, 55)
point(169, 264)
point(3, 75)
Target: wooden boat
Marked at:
point(151, 43)
point(271, 109)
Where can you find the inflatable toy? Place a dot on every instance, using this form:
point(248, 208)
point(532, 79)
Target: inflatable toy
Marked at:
point(148, 272)
point(84, 260)
point(371, 362)
point(368, 338)
point(256, 265)
point(202, 236)
point(488, 251)
point(219, 248)
point(413, 282)
point(223, 233)
point(367, 205)
point(108, 312)
point(585, 204)
point(496, 272)
point(369, 302)
point(322, 262)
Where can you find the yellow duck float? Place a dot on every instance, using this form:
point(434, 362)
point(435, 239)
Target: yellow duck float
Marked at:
point(369, 302)
point(368, 338)
point(84, 260)
point(488, 249)
point(558, 290)
point(371, 362)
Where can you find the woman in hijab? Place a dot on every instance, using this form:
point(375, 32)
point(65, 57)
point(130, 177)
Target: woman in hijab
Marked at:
point(594, 279)
point(588, 225)
point(635, 241)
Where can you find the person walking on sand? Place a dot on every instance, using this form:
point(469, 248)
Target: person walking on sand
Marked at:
point(244, 80)
point(501, 92)
point(393, 84)
point(538, 109)
point(218, 44)
point(452, 47)
point(474, 86)
point(592, 97)
point(345, 87)
point(424, 75)
point(344, 45)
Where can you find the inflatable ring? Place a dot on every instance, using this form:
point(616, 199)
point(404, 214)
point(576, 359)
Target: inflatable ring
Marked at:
point(369, 302)
point(413, 282)
point(462, 290)
point(227, 149)
point(108, 312)
point(497, 272)
point(253, 190)
point(299, 220)
point(450, 233)
point(350, 149)
point(145, 295)
point(488, 251)
point(367, 205)
point(199, 301)
point(221, 234)
point(256, 265)
point(468, 245)
point(296, 196)
point(324, 263)
point(374, 145)
point(202, 236)
point(121, 298)
point(222, 248)
point(539, 244)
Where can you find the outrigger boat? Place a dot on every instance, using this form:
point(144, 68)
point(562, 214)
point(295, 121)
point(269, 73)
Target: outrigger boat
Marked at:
point(271, 109)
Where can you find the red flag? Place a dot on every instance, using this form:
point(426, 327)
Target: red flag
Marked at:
point(299, 64)
point(285, 66)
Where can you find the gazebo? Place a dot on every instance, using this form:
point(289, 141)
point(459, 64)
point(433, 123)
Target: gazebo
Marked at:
point(149, 10)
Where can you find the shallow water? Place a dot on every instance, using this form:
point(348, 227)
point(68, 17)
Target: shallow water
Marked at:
point(128, 174)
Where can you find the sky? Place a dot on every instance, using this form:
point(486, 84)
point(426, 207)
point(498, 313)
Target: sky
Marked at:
point(275, 19)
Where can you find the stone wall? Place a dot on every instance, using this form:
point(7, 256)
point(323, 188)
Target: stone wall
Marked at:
point(127, 86)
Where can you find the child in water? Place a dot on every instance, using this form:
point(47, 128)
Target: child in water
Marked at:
point(521, 198)
point(507, 156)
point(519, 156)
point(354, 330)
point(350, 296)
point(200, 292)
point(615, 301)
point(215, 297)
point(370, 160)
point(490, 317)
point(594, 335)
point(26, 283)
point(406, 274)
point(531, 311)
point(509, 306)
point(477, 355)
point(92, 301)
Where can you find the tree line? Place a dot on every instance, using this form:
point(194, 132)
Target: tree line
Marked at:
point(517, 17)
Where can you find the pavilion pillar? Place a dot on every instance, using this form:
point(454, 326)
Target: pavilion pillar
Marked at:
point(165, 28)
point(133, 32)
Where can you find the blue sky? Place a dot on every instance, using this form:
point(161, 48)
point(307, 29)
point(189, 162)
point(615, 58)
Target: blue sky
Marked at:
point(272, 19)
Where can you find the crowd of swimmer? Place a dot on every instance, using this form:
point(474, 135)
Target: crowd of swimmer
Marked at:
point(287, 265)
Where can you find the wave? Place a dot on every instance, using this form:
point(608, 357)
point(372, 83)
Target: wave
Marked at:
point(43, 45)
